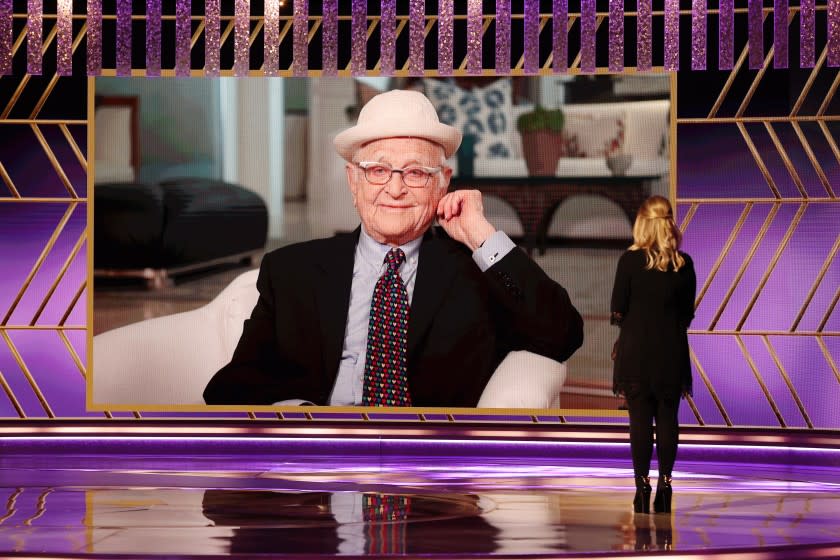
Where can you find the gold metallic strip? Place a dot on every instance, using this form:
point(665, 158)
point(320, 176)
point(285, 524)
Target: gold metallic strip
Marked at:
point(806, 89)
point(40, 199)
point(54, 161)
point(44, 328)
point(252, 416)
point(11, 395)
point(42, 121)
point(817, 281)
point(73, 302)
point(40, 507)
point(761, 382)
point(786, 119)
point(788, 381)
point(708, 383)
point(828, 358)
point(67, 262)
point(4, 175)
point(829, 310)
point(770, 267)
point(746, 262)
point(74, 146)
point(76, 359)
point(40, 261)
point(368, 32)
point(313, 30)
point(791, 168)
point(733, 235)
point(813, 158)
point(24, 80)
point(731, 332)
point(694, 410)
point(729, 81)
point(830, 139)
point(222, 38)
point(197, 35)
point(26, 373)
point(255, 33)
point(831, 92)
point(759, 161)
point(485, 24)
point(520, 64)
point(283, 33)
point(689, 216)
point(54, 79)
point(757, 200)
point(576, 62)
point(757, 80)
point(10, 505)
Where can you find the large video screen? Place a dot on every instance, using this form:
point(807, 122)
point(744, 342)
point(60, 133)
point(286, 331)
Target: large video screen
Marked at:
point(230, 257)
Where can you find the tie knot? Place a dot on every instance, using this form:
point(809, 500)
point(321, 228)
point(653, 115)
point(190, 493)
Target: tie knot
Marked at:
point(394, 258)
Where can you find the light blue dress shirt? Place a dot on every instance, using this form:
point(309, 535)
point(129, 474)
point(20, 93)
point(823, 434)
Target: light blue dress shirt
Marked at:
point(368, 266)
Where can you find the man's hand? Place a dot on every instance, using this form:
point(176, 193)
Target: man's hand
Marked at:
point(462, 216)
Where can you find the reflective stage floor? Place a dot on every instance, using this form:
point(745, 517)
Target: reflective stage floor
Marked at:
point(98, 497)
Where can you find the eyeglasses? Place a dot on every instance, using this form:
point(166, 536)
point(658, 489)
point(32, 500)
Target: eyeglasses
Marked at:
point(415, 176)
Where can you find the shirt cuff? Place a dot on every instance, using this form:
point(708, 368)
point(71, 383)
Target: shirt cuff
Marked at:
point(493, 250)
point(293, 402)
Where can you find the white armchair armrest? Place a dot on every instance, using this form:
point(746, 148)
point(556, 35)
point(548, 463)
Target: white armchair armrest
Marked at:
point(524, 380)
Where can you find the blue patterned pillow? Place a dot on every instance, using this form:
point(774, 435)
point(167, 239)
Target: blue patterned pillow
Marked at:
point(484, 112)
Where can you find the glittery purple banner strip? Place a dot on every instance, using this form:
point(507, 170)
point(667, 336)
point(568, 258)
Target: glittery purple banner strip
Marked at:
point(474, 16)
point(416, 37)
point(698, 34)
point(123, 38)
point(271, 38)
point(94, 37)
point(212, 37)
point(672, 35)
point(755, 25)
point(183, 36)
point(616, 63)
point(780, 33)
point(34, 32)
point(329, 38)
point(358, 36)
point(806, 33)
point(532, 36)
point(560, 36)
point(503, 37)
point(64, 38)
point(726, 35)
point(644, 35)
point(300, 31)
point(388, 37)
point(153, 23)
point(587, 36)
point(446, 26)
point(241, 38)
point(833, 33)
point(5, 37)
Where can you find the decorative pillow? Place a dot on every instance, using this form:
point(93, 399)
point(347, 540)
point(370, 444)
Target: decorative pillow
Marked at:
point(484, 112)
point(591, 135)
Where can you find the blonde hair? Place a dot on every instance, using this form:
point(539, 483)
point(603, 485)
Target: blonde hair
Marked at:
point(656, 233)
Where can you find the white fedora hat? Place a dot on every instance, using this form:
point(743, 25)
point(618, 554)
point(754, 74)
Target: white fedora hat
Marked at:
point(397, 113)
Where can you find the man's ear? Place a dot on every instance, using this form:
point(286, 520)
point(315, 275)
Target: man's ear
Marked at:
point(350, 170)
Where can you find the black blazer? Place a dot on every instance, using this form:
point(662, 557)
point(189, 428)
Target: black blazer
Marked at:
point(462, 323)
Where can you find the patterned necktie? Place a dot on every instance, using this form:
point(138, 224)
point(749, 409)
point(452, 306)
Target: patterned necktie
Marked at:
point(385, 364)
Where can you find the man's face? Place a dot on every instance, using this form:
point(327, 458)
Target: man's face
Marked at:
point(394, 213)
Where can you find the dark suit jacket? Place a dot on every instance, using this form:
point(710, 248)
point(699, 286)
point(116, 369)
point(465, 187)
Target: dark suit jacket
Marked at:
point(462, 323)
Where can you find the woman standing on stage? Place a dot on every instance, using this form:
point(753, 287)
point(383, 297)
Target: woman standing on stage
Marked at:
point(653, 303)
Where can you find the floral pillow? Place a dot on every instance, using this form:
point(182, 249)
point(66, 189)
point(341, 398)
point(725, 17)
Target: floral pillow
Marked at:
point(591, 135)
point(484, 112)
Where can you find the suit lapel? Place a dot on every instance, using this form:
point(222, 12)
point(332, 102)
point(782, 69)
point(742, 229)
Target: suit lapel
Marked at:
point(332, 297)
point(435, 272)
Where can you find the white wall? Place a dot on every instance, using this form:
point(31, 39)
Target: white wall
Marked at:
point(252, 123)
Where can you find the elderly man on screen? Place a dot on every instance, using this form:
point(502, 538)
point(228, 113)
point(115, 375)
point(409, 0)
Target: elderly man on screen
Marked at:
point(396, 313)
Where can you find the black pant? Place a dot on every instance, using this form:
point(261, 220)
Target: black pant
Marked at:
point(643, 410)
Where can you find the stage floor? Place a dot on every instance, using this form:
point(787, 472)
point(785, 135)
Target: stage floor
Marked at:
point(569, 500)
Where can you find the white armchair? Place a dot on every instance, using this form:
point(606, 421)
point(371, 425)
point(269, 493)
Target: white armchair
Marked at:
point(169, 360)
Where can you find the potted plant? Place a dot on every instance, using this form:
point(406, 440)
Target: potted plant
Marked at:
point(542, 139)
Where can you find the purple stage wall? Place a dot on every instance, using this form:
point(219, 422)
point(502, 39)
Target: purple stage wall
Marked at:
point(766, 338)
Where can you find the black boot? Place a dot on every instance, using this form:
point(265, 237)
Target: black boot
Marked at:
point(662, 500)
point(641, 502)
